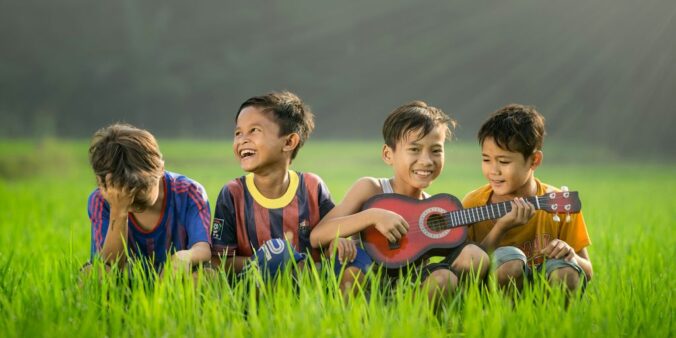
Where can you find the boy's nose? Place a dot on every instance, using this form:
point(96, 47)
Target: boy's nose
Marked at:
point(425, 158)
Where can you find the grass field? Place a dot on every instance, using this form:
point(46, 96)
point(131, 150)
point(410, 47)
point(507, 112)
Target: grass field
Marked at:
point(629, 206)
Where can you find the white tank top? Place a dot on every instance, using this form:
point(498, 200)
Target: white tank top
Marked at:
point(387, 187)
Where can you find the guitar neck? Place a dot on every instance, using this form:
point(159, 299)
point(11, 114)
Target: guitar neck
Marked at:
point(486, 212)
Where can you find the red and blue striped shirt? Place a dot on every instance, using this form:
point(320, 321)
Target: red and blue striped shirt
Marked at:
point(185, 221)
point(244, 219)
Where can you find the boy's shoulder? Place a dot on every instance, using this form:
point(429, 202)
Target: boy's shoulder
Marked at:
point(309, 177)
point(179, 183)
point(477, 196)
point(366, 187)
point(544, 188)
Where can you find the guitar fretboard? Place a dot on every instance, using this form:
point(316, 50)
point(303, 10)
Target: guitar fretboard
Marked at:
point(486, 212)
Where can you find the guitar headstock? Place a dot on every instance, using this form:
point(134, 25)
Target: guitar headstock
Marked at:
point(560, 202)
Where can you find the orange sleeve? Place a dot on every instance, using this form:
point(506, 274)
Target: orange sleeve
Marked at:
point(575, 232)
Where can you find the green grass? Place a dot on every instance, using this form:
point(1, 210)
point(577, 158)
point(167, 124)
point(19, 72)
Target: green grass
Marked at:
point(629, 207)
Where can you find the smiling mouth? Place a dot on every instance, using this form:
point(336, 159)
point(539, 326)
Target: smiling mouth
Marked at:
point(423, 173)
point(246, 153)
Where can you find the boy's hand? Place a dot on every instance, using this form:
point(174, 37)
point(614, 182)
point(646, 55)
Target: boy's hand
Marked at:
point(558, 249)
point(345, 248)
point(390, 224)
point(522, 211)
point(181, 260)
point(119, 198)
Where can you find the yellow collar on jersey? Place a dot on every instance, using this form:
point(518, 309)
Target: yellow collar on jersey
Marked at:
point(273, 203)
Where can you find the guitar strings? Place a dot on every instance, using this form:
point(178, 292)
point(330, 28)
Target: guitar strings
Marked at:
point(445, 223)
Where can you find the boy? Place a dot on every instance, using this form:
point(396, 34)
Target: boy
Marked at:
point(138, 205)
point(414, 146)
point(511, 149)
point(257, 212)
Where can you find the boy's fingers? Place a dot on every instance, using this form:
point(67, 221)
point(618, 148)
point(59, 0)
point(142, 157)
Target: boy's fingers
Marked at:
point(571, 255)
point(395, 233)
point(546, 251)
point(565, 250)
point(341, 252)
point(404, 224)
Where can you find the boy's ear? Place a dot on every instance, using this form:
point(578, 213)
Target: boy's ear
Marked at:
point(537, 159)
point(291, 142)
point(387, 154)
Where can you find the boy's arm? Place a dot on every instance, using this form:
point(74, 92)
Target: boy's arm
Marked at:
point(224, 235)
point(582, 258)
point(347, 219)
point(230, 263)
point(197, 220)
point(198, 253)
point(521, 212)
point(559, 249)
point(119, 199)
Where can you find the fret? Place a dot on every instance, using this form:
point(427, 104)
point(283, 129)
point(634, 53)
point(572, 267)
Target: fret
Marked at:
point(492, 212)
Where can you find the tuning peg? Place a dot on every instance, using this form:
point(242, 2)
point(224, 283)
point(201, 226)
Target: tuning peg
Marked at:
point(564, 188)
point(567, 218)
point(556, 218)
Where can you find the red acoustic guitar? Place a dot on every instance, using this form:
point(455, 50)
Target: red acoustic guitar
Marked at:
point(438, 224)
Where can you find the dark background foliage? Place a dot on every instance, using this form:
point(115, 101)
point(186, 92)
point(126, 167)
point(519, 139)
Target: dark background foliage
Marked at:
point(602, 72)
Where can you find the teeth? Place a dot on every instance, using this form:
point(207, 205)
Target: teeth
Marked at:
point(246, 153)
point(423, 172)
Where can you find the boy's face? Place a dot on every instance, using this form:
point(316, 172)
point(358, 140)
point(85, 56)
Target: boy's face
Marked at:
point(508, 172)
point(257, 143)
point(417, 161)
point(146, 198)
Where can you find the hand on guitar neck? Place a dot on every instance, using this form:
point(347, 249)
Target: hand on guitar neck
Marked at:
point(521, 212)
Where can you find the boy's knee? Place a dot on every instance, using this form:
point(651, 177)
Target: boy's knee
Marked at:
point(351, 276)
point(567, 276)
point(442, 281)
point(510, 270)
point(472, 259)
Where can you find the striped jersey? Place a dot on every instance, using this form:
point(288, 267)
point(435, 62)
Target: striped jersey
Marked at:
point(185, 221)
point(245, 219)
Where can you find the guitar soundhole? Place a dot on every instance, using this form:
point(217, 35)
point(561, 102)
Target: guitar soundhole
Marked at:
point(436, 222)
point(433, 224)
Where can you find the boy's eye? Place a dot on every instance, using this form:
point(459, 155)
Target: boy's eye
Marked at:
point(504, 162)
point(413, 149)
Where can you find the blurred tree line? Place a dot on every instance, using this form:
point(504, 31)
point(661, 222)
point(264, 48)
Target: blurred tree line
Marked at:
point(600, 71)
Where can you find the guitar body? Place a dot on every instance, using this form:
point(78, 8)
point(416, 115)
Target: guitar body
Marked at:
point(428, 233)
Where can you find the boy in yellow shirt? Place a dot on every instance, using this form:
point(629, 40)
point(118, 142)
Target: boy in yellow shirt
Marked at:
point(524, 239)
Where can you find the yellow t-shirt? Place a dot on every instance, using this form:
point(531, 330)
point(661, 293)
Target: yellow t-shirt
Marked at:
point(534, 235)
